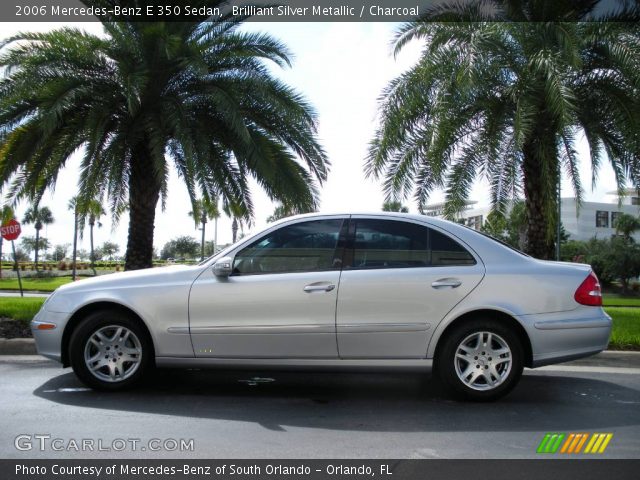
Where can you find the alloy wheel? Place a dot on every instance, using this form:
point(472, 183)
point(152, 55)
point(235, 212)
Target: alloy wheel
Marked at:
point(483, 360)
point(113, 353)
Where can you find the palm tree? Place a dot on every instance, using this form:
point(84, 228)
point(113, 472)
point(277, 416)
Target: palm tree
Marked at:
point(92, 210)
point(394, 206)
point(146, 96)
point(283, 211)
point(39, 217)
point(239, 214)
point(626, 225)
point(508, 100)
point(203, 211)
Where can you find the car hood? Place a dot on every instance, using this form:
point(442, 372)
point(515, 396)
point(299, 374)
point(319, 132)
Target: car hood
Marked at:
point(145, 277)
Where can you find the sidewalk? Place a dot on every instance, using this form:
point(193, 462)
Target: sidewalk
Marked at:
point(16, 293)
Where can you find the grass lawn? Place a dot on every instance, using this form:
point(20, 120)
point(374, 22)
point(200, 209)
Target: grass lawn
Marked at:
point(18, 308)
point(625, 335)
point(612, 299)
point(626, 328)
point(48, 284)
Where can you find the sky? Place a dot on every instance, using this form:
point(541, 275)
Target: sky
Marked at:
point(341, 68)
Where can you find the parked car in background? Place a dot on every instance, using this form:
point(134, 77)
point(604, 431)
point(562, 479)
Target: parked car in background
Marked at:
point(351, 291)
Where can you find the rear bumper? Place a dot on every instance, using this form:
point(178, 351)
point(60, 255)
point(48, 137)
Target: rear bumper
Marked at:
point(559, 337)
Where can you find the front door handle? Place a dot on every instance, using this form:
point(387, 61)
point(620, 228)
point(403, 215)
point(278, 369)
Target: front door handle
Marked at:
point(319, 288)
point(446, 283)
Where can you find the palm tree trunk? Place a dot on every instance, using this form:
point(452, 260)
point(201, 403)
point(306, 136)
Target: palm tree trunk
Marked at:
point(234, 229)
point(37, 245)
point(204, 222)
point(75, 243)
point(1, 241)
point(144, 192)
point(537, 244)
point(215, 235)
point(93, 255)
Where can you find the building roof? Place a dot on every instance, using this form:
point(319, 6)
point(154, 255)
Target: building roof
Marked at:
point(438, 206)
point(625, 192)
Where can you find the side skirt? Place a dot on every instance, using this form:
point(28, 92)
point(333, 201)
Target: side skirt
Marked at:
point(421, 364)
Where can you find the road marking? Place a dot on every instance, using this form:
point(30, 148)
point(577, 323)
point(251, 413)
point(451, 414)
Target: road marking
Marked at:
point(25, 359)
point(68, 390)
point(586, 369)
point(256, 380)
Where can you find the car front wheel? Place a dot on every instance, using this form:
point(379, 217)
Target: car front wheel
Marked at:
point(480, 360)
point(109, 351)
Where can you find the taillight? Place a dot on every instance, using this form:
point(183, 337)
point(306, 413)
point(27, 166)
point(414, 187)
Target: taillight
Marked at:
point(589, 292)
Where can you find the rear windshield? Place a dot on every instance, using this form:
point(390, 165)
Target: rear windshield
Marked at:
point(501, 242)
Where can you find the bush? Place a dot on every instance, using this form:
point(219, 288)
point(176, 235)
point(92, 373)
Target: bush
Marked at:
point(617, 259)
point(43, 274)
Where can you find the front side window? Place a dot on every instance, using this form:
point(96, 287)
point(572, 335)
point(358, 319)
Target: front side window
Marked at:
point(301, 247)
point(602, 219)
point(394, 244)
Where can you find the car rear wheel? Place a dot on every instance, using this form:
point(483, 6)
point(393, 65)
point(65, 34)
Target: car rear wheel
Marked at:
point(110, 351)
point(480, 360)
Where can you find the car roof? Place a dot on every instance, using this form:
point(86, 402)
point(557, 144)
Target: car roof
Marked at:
point(486, 248)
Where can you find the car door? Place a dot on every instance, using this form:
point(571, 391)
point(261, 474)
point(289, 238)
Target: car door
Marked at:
point(400, 278)
point(280, 300)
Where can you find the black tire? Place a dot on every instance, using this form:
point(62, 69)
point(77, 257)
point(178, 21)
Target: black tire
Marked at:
point(480, 390)
point(105, 319)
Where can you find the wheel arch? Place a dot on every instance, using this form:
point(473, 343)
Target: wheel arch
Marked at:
point(498, 315)
point(90, 308)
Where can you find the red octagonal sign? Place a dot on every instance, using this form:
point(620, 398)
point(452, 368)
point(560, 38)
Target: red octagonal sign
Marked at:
point(10, 230)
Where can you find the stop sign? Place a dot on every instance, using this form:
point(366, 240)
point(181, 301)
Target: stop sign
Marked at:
point(10, 230)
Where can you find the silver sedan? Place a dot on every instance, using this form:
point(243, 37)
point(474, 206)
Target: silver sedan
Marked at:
point(352, 291)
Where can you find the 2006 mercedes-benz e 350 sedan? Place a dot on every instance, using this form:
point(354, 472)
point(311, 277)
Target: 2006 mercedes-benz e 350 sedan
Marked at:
point(373, 291)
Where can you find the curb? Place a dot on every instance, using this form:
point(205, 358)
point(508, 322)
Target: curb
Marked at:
point(18, 346)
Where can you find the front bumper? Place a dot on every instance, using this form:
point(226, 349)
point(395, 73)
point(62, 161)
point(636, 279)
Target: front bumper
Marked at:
point(559, 337)
point(49, 342)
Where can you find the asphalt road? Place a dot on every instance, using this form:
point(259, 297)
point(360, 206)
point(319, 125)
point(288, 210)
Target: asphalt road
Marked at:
point(314, 415)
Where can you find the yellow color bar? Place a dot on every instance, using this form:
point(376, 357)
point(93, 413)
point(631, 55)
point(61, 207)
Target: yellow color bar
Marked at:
point(606, 441)
point(591, 442)
point(596, 445)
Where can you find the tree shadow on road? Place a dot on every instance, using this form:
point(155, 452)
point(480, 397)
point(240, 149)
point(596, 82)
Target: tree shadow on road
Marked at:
point(388, 402)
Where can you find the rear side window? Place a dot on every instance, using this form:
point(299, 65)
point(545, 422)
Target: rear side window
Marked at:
point(446, 251)
point(397, 244)
point(301, 247)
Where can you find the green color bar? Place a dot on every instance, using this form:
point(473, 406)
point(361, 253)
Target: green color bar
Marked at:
point(556, 445)
point(543, 443)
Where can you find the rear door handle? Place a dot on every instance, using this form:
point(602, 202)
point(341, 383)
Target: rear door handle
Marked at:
point(446, 283)
point(319, 288)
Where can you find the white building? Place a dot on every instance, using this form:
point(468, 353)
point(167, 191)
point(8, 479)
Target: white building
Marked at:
point(593, 219)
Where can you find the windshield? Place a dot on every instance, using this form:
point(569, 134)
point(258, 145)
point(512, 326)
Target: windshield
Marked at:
point(497, 240)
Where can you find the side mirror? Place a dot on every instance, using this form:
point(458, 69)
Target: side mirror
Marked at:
point(223, 267)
